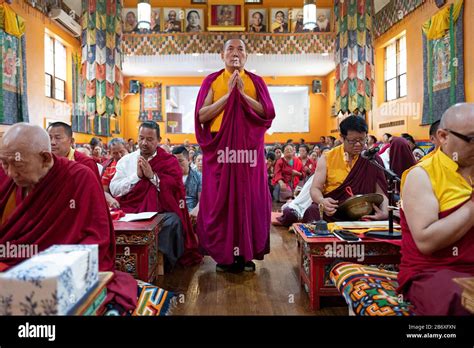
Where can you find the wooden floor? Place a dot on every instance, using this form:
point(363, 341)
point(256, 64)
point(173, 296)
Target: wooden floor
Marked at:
point(274, 289)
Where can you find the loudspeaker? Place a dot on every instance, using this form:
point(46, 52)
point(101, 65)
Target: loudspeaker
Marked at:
point(134, 86)
point(317, 85)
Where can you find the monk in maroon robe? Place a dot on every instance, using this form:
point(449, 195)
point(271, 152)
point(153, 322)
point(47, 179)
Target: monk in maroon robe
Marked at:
point(47, 200)
point(233, 111)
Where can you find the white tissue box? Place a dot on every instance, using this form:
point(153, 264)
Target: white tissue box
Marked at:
point(50, 283)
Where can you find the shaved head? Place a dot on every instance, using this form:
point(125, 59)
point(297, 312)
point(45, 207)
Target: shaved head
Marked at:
point(234, 55)
point(234, 42)
point(25, 154)
point(455, 130)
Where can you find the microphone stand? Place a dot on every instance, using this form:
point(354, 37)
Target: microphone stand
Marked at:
point(392, 179)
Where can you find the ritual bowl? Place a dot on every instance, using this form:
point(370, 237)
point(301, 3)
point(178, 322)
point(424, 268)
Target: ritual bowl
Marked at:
point(359, 205)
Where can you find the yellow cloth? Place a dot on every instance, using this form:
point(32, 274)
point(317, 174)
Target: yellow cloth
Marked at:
point(10, 22)
point(338, 168)
point(220, 88)
point(9, 207)
point(332, 226)
point(70, 155)
point(436, 27)
point(450, 187)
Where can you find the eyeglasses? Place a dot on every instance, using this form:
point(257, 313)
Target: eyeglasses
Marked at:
point(466, 138)
point(353, 142)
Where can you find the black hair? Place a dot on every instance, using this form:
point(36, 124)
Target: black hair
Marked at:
point(180, 150)
point(94, 142)
point(289, 141)
point(283, 13)
point(288, 144)
point(151, 125)
point(67, 128)
point(189, 13)
point(304, 146)
point(259, 13)
point(408, 137)
point(388, 135)
point(271, 156)
point(353, 123)
point(434, 127)
point(374, 138)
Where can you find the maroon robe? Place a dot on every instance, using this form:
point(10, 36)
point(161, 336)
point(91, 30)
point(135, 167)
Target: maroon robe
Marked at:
point(87, 161)
point(66, 207)
point(170, 198)
point(362, 179)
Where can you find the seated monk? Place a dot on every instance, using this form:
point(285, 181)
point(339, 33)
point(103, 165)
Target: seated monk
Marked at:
point(62, 141)
point(47, 200)
point(308, 165)
point(342, 168)
point(287, 174)
point(117, 151)
point(437, 219)
point(150, 180)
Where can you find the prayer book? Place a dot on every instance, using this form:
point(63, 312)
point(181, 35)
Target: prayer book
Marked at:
point(138, 217)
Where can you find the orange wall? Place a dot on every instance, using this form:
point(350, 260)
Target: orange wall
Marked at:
point(39, 106)
point(318, 108)
point(412, 25)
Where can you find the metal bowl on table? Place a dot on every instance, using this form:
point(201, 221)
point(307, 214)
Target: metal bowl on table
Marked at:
point(359, 205)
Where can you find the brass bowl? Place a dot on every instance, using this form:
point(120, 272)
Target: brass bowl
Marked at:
point(359, 205)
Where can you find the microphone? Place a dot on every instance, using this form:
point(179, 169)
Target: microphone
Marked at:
point(370, 153)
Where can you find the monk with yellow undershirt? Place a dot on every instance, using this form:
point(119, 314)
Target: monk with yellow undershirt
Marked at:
point(437, 219)
point(233, 112)
point(342, 169)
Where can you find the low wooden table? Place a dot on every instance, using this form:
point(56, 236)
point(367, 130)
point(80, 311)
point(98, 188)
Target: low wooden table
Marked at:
point(137, 248)
point(315, 262)
point(467, 300)
point(95, 299)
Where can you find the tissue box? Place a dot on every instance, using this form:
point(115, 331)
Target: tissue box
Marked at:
point(50, 283)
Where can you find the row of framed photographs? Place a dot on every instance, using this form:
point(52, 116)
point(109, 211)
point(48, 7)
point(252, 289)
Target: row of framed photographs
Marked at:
point(227, 17)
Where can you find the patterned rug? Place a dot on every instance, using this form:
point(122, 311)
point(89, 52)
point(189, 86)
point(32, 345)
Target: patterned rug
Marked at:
point(153, 301)
point(369, 291)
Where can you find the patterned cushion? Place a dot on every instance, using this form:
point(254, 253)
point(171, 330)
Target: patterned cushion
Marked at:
point(152, 300)
point(369, 291)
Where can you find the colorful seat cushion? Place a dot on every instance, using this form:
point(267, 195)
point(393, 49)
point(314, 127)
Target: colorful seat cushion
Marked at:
point(152, 300)
point(369, 291)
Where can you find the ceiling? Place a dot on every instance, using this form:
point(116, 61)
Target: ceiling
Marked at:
point(204, 64)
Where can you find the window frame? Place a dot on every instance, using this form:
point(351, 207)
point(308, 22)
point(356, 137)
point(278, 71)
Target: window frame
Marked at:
point(398, 74)
point(53, 77)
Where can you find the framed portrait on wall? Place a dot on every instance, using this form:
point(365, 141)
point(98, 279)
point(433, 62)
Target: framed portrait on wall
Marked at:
point(253, 2)
point(129, 20)
point(194, 20)
point(172, 20)
point(155, 20)
point(279, 20)
point(257, 20)
point(323, 20)
point(296, 20)
point(226, 15)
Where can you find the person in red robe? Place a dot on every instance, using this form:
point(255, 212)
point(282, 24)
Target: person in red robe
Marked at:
point(437, 219)
point(117, 149)
point(288, 172)
point(309, 166)
point(150, 180)
point(47, 200)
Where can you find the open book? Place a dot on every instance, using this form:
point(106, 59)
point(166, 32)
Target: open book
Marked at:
point(138, 217)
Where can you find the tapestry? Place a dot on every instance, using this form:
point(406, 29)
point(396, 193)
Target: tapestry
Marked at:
point(150, 102)
point(354, 56)
point(443, 62)
point(80, 121)
point(153, 301)
point(13, 95)
point(392, 13)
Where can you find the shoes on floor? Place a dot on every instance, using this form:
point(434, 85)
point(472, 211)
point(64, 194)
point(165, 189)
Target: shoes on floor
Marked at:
point(249, 266)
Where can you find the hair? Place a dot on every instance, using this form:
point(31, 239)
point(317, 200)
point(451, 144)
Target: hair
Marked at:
point(180, 150)
point(434, 127)
point(332, 138)
point(353, 123)
point(259, 13)
point(277, 148)
point(271, 156)
point(408, 137)
point(374, 138)
point(116, 141)
point(67, 128)
point(94, 142)
point(304, 146)
point(288, 144)
point(151, 125)
point(189, 13)
point(388, 135)
point(289, 141)
point(302, 140)
point(277, 12)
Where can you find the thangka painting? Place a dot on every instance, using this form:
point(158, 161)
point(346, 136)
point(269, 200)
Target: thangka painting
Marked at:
point(13, 100)
point(443, 59)
point(150, 102)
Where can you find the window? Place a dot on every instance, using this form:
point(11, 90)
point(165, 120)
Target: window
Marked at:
point(396, 70)
point(54, 68)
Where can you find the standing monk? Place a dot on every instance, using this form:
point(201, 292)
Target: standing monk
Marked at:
point(233, 111)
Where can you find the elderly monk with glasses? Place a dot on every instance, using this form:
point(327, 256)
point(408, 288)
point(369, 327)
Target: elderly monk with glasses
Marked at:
point(343, 171)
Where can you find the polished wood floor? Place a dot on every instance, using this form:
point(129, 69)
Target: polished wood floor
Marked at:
point(274, 289)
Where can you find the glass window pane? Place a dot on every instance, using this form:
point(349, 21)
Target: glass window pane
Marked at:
point(59, 60)
point(403, 85)
point(390, 68)
point(391, 50)
point(59, 89)
point(391, 86)
point(47, 85)
point(402, 58)
point(48, 54)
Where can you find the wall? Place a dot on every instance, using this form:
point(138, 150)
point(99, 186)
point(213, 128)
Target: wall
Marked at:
point(318, 108)
point(39, 106)
point(412, 26)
